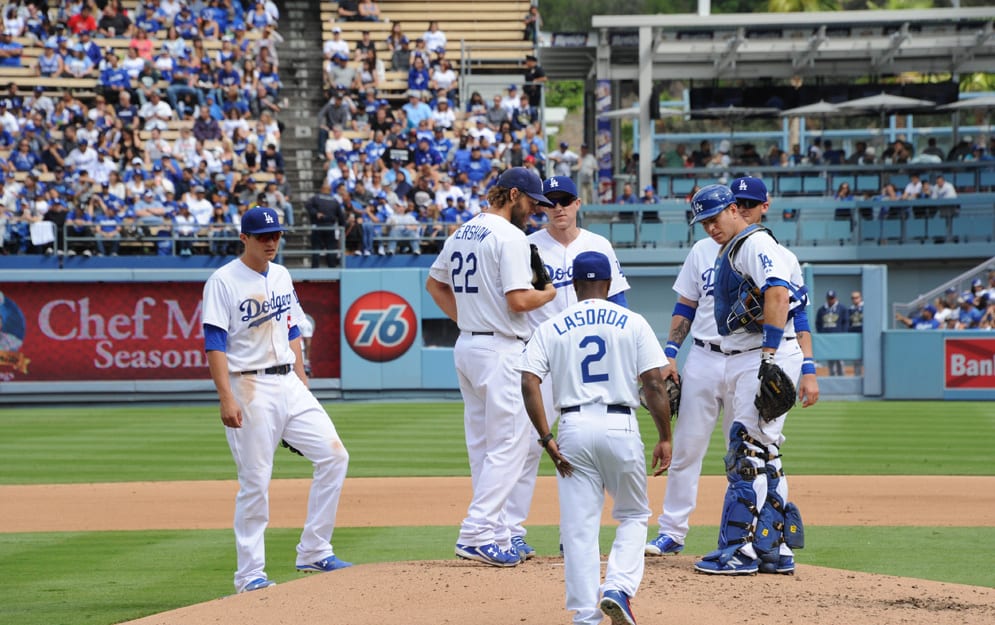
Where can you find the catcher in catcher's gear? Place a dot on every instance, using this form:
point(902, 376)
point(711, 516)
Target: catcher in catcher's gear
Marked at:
point(758, 289)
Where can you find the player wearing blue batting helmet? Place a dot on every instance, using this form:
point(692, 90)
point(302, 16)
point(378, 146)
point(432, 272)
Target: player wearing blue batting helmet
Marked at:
point(710, 201)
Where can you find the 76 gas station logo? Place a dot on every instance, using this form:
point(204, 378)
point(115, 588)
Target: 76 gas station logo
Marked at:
point(380, 326)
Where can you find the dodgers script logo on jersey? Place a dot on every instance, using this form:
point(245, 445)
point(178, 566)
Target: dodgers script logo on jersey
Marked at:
point(257, 313)
point(380, 326)
point(708, 282)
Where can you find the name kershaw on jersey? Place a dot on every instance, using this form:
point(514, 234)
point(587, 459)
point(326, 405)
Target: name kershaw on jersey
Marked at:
point(472, 232)
point(589, 317)
point(257, 312)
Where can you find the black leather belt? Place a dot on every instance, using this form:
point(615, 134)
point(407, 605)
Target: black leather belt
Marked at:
point(277, 370)
point(718, 350)
point(492, 334)
point(612, 408)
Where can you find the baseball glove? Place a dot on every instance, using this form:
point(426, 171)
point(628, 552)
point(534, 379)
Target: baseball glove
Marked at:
point(540, 276)
point(673, 395)
point(292, 449)
point(777, 392)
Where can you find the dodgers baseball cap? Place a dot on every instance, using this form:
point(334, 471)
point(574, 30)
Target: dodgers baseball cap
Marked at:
point(260, 220)
point(592, 266)
point(525, 181)
point(557, 185)
point(749, 188)
point(830, 294)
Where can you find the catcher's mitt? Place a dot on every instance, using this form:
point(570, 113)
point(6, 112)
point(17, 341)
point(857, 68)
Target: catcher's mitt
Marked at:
point(293, 449)
point(540, 275)
point(777, 392)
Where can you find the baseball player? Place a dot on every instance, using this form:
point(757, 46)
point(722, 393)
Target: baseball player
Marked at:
point(483, 280)
point(559, 242)
point(757, 289)
point(702, 390)
point(596, 351)
point(253, 343)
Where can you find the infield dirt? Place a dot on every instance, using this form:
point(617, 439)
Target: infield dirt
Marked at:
point(453, 591)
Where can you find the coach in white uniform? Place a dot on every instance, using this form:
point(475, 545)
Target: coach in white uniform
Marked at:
point(251, 315)
point(559, 242)
point(596, 351)
point(703, 386)
point(482, 280)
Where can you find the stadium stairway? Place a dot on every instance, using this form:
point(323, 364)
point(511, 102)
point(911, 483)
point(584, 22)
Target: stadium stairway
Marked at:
point(300, 71)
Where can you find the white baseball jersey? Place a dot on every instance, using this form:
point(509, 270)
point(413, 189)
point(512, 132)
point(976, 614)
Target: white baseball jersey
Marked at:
point(483, 260)
point(607, 335)
point(256, 310)
point(761, 258)
point(559, 262)
point(696, 282)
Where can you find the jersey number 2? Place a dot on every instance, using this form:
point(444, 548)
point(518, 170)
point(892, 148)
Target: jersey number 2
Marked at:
point(470, 265)
point(590, 359)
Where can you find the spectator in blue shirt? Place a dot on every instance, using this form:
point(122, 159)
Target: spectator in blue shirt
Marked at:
point(425, 154)
point(10, 50)
point(113, 80)
point(418, 75)
point(149, 21)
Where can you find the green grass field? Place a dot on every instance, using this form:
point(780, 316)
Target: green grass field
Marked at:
point(100, 578)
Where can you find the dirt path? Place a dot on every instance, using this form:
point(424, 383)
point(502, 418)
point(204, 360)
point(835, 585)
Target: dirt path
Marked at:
point(463, 593)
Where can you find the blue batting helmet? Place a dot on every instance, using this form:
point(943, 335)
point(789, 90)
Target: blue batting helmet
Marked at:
point(710, 201)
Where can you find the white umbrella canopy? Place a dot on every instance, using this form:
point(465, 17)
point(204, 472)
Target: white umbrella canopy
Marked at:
point(887, 103)
point(983, 103)
point(820, 108)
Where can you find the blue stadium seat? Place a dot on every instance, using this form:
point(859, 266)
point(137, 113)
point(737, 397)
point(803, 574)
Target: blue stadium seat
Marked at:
point(868, 183)
point(870, 229)
point(972, 228)
point(786, 232)
point(623, 234)
point(964, 181)
point(676, 234)
point(604, 229)
point(814, 185)
point(839, 232)
point(936, 228)
point(899, 180)
point(682, 186)
point(663, 186)
point(789, 185)
point(651, 234)
point(839, 179)
point(915, 230)
point(987, 180)
point(813, 231)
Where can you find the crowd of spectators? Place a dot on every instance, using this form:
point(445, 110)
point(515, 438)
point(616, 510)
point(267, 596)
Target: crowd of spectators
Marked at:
point(399, 178)
point(96, 164)
point(973, 309)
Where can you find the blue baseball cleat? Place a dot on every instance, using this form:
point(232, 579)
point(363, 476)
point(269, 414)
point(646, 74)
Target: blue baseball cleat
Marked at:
point(488, 554)
point(663, 545)
point(738, 564)
point(256, 584)
point(331, 563)
point(615, 605)
point(785, 566)
point(525, 550)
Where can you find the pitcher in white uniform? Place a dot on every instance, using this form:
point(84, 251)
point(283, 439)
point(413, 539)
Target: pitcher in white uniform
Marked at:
point(596, 352)
point(251, 315)
point(559, 242)
point(482, 280)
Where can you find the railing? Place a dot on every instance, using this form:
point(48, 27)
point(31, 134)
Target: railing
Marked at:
point(823, 180)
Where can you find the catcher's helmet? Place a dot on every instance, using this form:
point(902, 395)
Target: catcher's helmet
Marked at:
point(710, 201)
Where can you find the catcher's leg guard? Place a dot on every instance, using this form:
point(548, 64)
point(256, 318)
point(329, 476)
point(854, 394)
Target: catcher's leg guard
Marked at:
point(744, 463)
point(770, 522)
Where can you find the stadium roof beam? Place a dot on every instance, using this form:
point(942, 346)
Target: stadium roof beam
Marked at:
point(727, 58)
point(968, 53)
point(807, 57)
point(885, 57)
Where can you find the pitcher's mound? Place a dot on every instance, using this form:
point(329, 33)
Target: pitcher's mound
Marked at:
point(465, 593)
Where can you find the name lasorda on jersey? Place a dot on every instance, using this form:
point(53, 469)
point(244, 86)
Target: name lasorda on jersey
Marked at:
point(590, 317)
point(257, 313)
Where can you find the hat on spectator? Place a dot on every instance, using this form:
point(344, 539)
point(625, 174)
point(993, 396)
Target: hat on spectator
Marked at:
point(148, 193)
point(136, 161)
point(591, 266)
point(461, 199)
point(976, 282)
point(830, 294)
point(512, 87)
point(105, 183)
point(198, 189)
point(559, 185)
point(749, 188)
point(219, 177)
point(336, 30)
point(339, 56)
point(102, 151)
point(523, 180)
point(530, 57)
point(950, 290)
point(404, 40)
point(157, 167)
point(39, 89)
point(648, 187)
point(51, 44)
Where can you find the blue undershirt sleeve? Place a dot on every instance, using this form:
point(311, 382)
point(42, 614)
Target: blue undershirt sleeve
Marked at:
point(215, 339)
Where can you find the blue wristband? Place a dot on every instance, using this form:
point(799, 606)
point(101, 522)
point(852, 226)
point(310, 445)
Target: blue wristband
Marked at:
point(808, 367)
point(670, 351)
point(801, 321)
point(683, 310)
point(772, 336)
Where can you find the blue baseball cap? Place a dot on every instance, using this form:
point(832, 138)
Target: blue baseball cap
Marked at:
point(592, 266)
point(749, 188)
point(525, 181)
point(260, 220)
point(710, 201)
point(559, 184)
